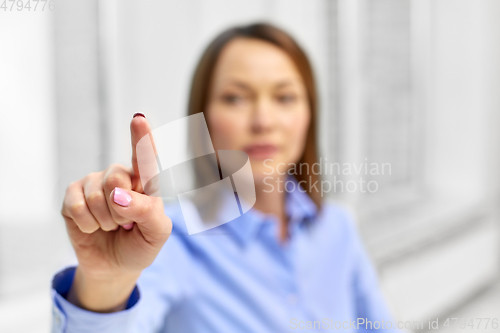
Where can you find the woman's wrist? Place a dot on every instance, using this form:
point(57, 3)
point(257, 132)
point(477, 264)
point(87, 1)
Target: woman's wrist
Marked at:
point(103, 294)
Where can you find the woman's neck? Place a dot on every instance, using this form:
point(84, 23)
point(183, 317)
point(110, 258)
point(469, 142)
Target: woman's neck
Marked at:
point(272, 202)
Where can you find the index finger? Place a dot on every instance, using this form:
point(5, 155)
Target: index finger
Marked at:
point(144, 153)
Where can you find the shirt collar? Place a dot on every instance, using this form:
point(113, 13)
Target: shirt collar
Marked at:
point(299, 208)
point(299, 205)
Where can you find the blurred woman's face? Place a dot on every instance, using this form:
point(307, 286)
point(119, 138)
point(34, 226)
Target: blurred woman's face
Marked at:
point(258, 104)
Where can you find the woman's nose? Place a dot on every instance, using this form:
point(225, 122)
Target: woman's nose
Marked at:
point(263, 117)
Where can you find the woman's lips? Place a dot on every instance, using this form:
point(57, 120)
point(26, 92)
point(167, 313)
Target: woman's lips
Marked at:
point(261, 151)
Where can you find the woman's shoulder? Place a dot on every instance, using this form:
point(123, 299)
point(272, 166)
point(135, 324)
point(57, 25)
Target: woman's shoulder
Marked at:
point(338, 210)
point(339, 216)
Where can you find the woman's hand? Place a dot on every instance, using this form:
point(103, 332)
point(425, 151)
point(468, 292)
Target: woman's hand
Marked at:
point(115, 229)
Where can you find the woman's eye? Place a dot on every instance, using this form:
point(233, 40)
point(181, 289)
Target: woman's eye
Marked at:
point(287, 98)
point(232, 99)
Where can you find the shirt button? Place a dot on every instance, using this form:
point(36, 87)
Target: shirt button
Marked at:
point(292, 299)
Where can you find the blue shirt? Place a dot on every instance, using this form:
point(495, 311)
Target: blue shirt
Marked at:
point(239, 277)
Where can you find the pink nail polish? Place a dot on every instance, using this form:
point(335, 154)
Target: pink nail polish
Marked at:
point(121, 197)
point(128, 226)
point(140, 114)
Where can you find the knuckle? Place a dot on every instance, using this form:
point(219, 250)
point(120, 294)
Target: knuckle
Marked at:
point(73, 186)
point(109, 227)
point(114, 166)
point(78, 209)
point(113, 180)
point(96, 199)
point(88, 228)
point(92, 175)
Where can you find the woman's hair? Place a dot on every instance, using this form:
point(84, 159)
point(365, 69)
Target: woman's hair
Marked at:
point(201, 82)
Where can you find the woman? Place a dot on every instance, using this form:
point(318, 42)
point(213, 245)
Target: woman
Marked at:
point(291, 262)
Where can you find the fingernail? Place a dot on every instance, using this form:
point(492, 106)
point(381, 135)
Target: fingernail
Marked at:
point(128, 226)
point(121, 197)
point(140, 114)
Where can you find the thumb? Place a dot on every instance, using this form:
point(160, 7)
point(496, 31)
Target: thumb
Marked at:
point(146, 211)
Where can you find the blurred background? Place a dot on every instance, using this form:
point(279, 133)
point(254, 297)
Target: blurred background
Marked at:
point(413, 83)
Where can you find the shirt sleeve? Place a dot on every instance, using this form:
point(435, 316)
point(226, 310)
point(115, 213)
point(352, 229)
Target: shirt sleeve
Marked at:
point(157, 290)
point(67, 317)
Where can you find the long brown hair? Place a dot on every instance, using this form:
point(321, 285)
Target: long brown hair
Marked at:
point(203, 75)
